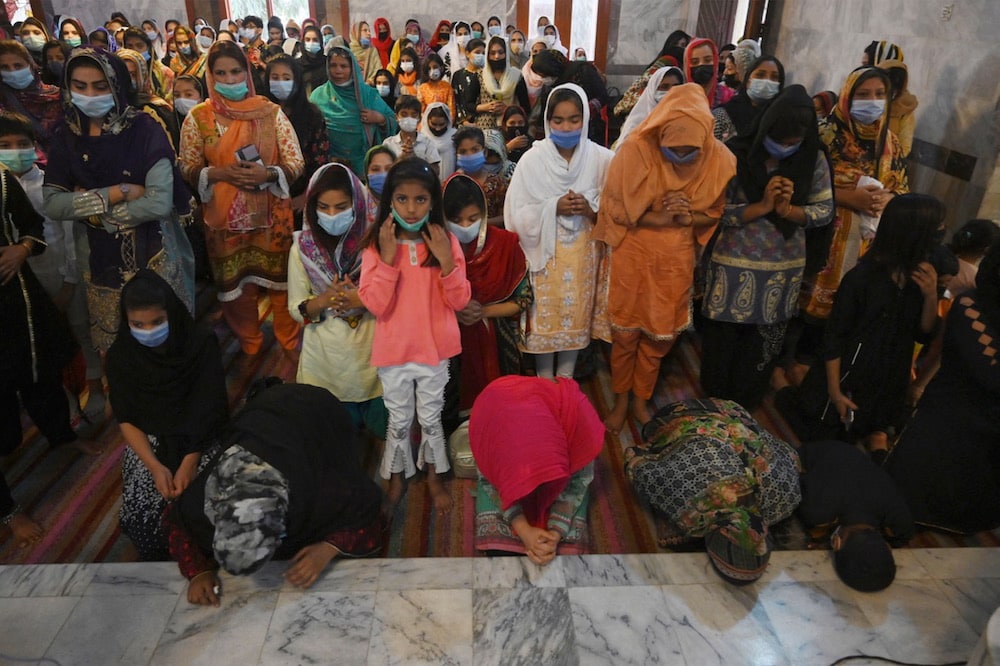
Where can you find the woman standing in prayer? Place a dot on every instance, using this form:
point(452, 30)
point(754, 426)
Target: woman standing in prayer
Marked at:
point(551, 205)
point(357, 118)
point(782, 187)
point(654, 228)
point(112, 168)
point(23, 92)
point(241, 153)
point(535, 441)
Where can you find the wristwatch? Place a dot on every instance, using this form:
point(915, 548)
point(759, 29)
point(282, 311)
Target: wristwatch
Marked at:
point(304, 311)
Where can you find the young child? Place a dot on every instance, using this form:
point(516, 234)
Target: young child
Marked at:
point(884, 304)
point(409, 142)
point(436, 88)
point(413, 281)
point(57, 267)
point(188, 93)
point(323, 270)
point(378, 161)
point(408, 75)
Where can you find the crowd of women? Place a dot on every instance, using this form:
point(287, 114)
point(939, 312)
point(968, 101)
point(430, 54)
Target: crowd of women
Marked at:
point(434, 221)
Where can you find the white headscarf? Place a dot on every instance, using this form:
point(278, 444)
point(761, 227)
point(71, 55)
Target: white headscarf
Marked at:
point(647, 101)
point(557, 45)
point(452, 54)
point(542, 177)
point(511, 76)
point(532, 80)
point(443, 143)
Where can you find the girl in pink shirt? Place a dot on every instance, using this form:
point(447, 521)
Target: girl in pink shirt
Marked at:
point(413, 281)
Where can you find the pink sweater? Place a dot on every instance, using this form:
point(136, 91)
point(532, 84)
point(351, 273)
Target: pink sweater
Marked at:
point(414, 306)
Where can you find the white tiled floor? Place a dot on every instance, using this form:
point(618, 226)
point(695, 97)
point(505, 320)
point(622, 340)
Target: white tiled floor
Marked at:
point(600, 609)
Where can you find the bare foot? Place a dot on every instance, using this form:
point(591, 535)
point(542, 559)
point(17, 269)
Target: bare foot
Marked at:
point(439, 494)
point(640, 410)
point(393, 494)
point(88, 447)
point(26, 531)
point(615, 419)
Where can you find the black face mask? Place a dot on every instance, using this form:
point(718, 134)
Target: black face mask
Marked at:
point(497, 65)
point(382, 34)
point(437, 132)
point(511, 133)
point(731, 81)
point(702, 74)
point(444, 36)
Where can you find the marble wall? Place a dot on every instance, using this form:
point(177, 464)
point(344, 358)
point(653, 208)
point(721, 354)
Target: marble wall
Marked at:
point(636, 32)
point(94, 13)
point(953, 68)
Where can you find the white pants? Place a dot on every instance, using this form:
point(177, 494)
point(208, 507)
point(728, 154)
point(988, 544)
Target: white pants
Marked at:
point(405, 387)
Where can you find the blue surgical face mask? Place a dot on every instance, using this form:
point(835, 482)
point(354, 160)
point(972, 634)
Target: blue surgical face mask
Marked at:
point(492, 167)
point(184, 105)
point(152, 35)
point(566, 139)
point(376, 181)
point(152, 337)
point(471, 163)
point(18, 78)
point(478, 59)
point(327, 39)
point(95, 107)
point(383, 89)
point(679, 160)
point(232, 91)
point(365, 42)
point(761, 90)
point(146, 56)
point(867, 111)
point(494, 30)
point(416, 226)
point(779, 151)
point(336, 225)
point(465, 234)
point(73, 42)
point(34, 43)
point(281, 89)
point(413, 38)
point(186, 49)
point(18, 160)
point(313, 47)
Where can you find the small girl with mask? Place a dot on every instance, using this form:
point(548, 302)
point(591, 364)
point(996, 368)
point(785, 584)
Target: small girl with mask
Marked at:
point(413, 280)
point(408, 142)
point(324, 267)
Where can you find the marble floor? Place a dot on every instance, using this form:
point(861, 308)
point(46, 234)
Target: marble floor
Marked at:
point(598, 609)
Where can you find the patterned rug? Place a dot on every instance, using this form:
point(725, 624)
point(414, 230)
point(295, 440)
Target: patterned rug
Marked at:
point(76, 498)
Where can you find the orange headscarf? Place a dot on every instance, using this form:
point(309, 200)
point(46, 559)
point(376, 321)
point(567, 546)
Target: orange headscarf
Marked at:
point(682, 118)
point(249, 121)
point(877, 131)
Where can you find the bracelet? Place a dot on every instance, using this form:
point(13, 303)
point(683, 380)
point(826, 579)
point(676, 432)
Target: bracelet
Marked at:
point(6, 520)
point(304, 311)
point(28, 245)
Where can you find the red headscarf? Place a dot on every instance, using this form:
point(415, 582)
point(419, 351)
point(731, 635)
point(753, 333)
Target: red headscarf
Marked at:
point(529, 435)
point(435, 44)
point(384, 46)
point(692, 45)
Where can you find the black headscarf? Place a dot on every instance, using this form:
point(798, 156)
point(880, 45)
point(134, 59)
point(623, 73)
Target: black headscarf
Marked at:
point(177, 391)
point(800, 168)
point(306, 434)
point(740, 108)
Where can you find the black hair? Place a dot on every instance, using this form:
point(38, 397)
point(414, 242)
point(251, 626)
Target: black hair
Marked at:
point(469, 132)
point(331, 180)
point(408, 170)
point(121, 18)
point(439, 112)
point(555, 30)
point(253, 20)
point(794, 122)
point(275, 22)
point(897, 80)
point(727, 47)
point(474, 44)
point(432, 59)
point(412, 53)
point(549, 63)
point(389, 99)
point(377, 150)
point(226, 50)
point(494, 18)
point(472, 26)
point(502, 64)
point(193, 80)
point(559, 96)
point(460, 193)
point(865, 562)
point(906, 232)
point(16, 124)
point(133, 31)
point(405, 102)
point(513, 110)
point(143, 294)
point(760, 61)
point(975, 237)
point(99, 38)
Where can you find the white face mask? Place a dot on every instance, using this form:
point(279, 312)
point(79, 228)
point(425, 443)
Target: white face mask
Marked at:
point(465, 234)
point(550, 39)
point(184, 105)
point(761, 90)
point(408, 124)
point(406, 66)
point(435, 74)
